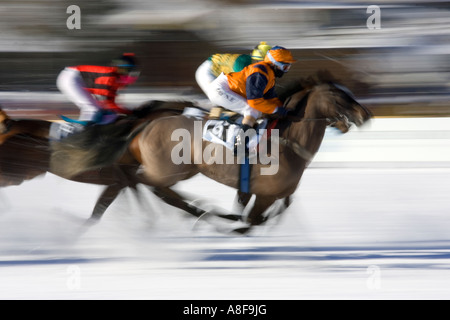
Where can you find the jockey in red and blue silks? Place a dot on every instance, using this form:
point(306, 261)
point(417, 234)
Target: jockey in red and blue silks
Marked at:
point(94, 88)
point(251, 91)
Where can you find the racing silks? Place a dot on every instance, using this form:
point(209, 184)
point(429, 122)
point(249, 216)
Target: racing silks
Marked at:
point(256, 83)
point(228, 62)
point(102, 82)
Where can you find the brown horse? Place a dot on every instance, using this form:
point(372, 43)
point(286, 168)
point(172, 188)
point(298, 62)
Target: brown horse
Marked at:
point(319, 105)
point(25, 152)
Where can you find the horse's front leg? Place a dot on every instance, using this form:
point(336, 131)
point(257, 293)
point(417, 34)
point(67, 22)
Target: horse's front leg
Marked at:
point(243, 198)
point(174, 199)
point(126, 176)
point(106, 198)
point(262, 203)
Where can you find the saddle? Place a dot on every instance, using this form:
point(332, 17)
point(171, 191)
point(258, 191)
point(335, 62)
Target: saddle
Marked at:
point(68, 127)
point(223, 127)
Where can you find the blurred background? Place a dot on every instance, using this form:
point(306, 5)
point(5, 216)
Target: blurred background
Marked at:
point(399, 69)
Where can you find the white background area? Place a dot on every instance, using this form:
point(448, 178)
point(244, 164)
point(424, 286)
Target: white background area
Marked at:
point(369, 220)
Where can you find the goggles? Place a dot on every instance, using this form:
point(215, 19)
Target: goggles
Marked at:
point(280, 65)
point(285, 67)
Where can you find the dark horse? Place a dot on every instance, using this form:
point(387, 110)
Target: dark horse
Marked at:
point(25, 151)
point(313, 108)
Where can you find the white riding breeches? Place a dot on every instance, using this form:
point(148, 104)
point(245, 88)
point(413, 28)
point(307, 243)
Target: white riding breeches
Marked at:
point(71, 84)
point(204, 76)
point(220, 94)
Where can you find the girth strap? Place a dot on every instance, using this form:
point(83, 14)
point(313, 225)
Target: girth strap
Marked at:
point(244, 176)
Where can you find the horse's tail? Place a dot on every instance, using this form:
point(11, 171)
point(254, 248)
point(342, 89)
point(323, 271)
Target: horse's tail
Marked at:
point(95, 147)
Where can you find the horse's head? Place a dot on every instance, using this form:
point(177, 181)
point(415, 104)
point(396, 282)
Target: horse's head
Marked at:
point(5, 122)
point(337, 104)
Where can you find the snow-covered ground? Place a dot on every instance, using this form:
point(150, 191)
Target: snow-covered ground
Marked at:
point(370, 220)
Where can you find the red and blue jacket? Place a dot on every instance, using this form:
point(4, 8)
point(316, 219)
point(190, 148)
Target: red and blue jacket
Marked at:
point(103, 83)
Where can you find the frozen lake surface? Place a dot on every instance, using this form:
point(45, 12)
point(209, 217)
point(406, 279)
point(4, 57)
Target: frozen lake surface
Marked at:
point(370, 220)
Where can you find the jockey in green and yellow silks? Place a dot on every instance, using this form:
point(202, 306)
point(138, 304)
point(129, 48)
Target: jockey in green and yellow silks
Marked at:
point(260, 51)
point(228, 62)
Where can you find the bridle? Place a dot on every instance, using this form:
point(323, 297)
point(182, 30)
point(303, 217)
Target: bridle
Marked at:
point(299, 113)
point(339, 118)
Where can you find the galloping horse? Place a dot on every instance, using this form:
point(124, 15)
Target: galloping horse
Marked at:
point(25, 153)
point(315, 107)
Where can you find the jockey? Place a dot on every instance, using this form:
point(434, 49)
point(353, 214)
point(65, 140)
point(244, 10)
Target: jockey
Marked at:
point(209, 70)
point(251, 92)
point(259, 52)
point(93, 89)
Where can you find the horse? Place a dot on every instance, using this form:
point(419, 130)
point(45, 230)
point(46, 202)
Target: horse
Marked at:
point(313, 108)
point(25, 152)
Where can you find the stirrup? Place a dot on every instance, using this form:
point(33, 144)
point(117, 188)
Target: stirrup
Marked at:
point(219, 113)
point(242, 141)
point(215, 113)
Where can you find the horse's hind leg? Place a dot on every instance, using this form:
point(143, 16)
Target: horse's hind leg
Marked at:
point(174, 199)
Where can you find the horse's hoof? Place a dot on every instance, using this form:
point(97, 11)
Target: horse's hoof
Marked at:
point(242, 231)
point(91, 222)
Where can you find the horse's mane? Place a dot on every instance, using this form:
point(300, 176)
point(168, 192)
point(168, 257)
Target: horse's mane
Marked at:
point(294, 86)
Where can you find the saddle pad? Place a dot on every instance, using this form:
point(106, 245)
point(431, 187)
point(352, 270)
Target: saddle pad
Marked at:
point(224, 133)
point(221, 132)
point(59, 131)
